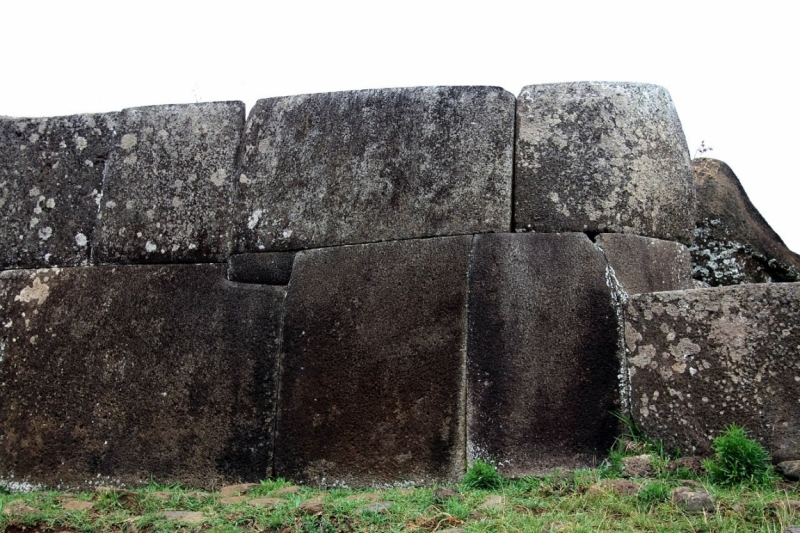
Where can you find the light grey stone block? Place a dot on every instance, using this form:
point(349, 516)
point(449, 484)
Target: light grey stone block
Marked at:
point(364, 166)
point(51, 174)
point(168, 191)
point(602, 158)
point(703, 359)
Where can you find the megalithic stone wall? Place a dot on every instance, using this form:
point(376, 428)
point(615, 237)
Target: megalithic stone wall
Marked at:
point(365, 305)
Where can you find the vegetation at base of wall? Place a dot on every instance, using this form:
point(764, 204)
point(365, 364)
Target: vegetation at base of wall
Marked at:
point(482, 476)
point(746, 497)
point(562, 501)
point(739, 460)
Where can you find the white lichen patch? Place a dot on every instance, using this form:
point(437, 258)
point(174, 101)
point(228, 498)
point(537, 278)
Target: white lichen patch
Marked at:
point(252, 222)
point(218, 177)
point(38, 291)
point(80, 240)
point(45, 233)
point(150, 247)
point(128, 141)
point(80, 143)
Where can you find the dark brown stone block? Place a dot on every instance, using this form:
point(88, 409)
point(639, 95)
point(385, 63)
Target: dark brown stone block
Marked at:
point(270, 268)
point(733, 243)
point(602, 157)
point(642, 264)
point(51, 174)
point(703, 359)
point(136, 371)
point(542, 353)
point(376, 165)
point(374, 342)
point(168, 190)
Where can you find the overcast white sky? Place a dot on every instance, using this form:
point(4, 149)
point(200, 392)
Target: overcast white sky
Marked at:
point(731, 70)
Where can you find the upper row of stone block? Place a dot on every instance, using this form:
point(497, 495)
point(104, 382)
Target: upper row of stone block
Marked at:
point(195, 183)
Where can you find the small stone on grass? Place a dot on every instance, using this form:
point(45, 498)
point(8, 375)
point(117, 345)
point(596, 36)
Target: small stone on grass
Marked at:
point(269, 503)
point(76, 505)
point(694, 501)
point(189, 517)
point(233, 490)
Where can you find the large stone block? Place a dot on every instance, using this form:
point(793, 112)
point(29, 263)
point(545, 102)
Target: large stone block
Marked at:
point(168, 190)
point(117, 374)
point(355, 167)
point(270, 268)
point(542, 353)
point(642, 264)
point(700, 360)
point(732, 242)
point(372, 385)
point(51, 174)
point(602, 157)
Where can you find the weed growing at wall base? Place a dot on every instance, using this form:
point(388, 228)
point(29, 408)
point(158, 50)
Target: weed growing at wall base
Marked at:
point(482, 476)
point(739, 460)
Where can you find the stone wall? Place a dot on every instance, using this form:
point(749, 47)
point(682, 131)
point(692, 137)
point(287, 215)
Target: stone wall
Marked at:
point(362, 288)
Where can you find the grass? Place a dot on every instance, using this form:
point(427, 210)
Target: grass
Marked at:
point(560, 502)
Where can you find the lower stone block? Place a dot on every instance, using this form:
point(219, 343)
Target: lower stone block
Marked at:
point(703, 359)
point(119, 375)
point(372, 387)
point(542, 363)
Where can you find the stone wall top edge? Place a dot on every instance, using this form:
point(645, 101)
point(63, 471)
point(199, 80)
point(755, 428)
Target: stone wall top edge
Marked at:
point(497, 88)
point(597, 84)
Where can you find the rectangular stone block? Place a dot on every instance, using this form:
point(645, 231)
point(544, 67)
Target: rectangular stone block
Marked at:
point(703, 359)
point(113, 375)
point(602, 157)
point(270, 268)
point(543, 358)
point(168, 190)
point(372, 387)
point(364, 166)
point(51, 174)
point(642, 264)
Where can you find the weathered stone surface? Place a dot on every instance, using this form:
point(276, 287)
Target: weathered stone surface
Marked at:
point(643, 264)
point(189, 517)
point(270, 503)
point(131, 371)
point(638, 466)
point(373, 364)
point(235, 490)
point(542, 353)
point(168, 189)
point(693, 501)
point(789, 469)
point(364, 166)
point(77, 505)
point(700, 360)
point(51, 174)
point(270, 268)
point(602, 157)
point(732, 242)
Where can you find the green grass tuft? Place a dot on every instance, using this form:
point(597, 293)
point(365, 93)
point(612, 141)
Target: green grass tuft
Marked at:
point(739, 460)
point(482, 476)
